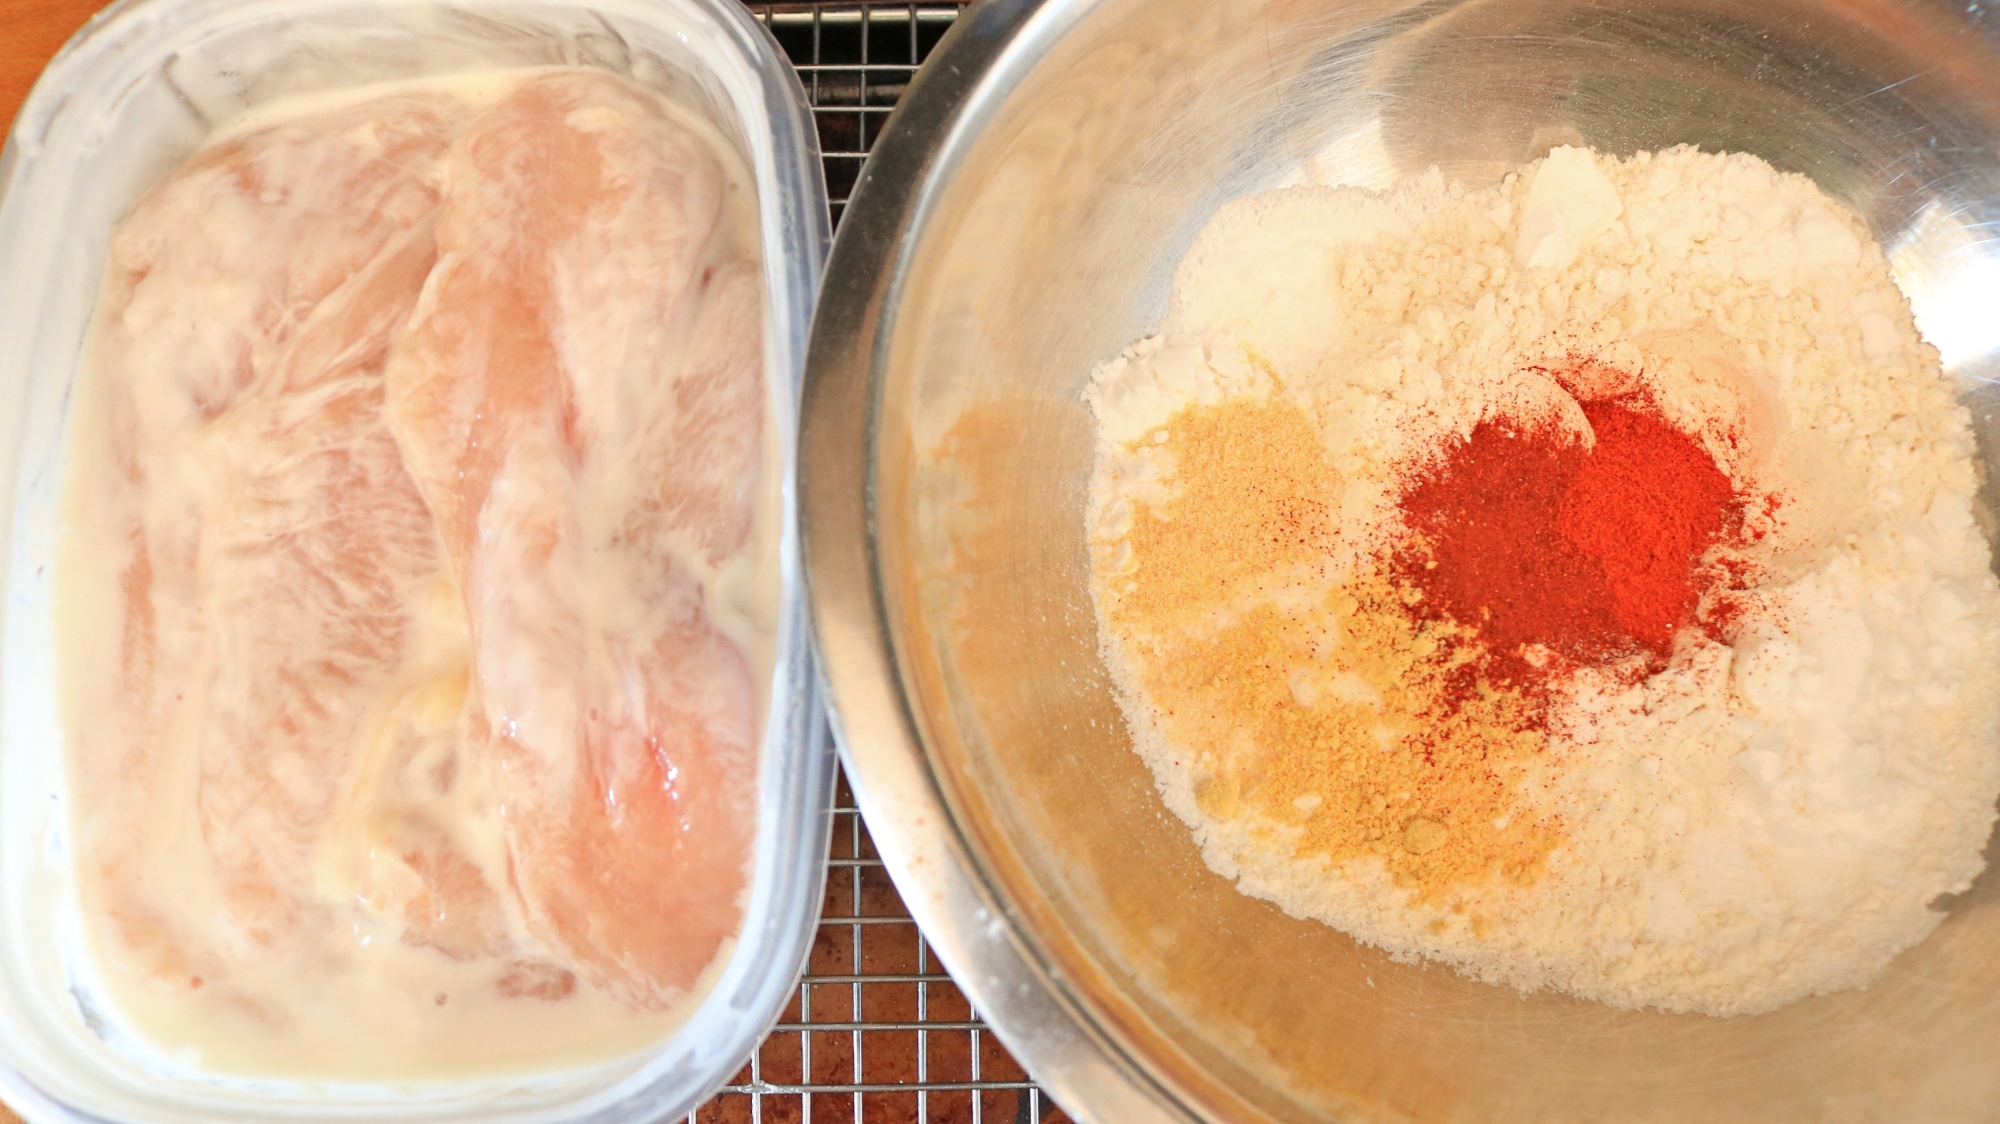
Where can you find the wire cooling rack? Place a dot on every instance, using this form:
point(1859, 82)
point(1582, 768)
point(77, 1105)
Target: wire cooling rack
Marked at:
point(877, 1033)
point(855, 59)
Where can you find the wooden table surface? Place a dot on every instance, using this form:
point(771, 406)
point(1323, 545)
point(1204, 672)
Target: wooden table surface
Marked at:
point(30, 32)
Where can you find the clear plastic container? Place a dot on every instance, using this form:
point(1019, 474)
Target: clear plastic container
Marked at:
point(135, 92)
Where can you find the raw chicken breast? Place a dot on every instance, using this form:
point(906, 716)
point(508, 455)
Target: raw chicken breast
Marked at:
point(580, 401)
point(269, 533)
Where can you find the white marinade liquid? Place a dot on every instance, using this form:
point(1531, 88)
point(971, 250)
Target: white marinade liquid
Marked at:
point(419, 590)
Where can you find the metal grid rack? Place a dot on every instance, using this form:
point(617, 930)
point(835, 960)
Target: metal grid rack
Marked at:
point(855, 59)
point(876, 1033)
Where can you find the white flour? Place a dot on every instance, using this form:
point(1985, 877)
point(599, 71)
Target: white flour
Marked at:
point(1761, 821)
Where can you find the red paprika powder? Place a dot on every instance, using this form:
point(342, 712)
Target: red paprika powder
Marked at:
point(1559, 555)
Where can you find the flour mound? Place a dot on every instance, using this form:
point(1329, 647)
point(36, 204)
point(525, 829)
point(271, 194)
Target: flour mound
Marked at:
point(1767, 818)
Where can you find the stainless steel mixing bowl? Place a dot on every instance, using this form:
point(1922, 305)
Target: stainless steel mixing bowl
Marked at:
point(1019, 223)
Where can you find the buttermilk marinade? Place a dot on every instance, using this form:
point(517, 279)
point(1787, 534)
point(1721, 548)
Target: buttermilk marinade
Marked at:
point(1575, 581)
point(419, 582)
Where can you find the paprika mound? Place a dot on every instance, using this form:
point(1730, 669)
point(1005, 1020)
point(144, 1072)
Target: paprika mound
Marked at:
point(1559, 554)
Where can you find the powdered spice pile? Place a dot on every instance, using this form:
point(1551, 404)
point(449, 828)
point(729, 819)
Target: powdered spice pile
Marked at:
point(1561, 553)
point(1306, 689)
point(1390, 715)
